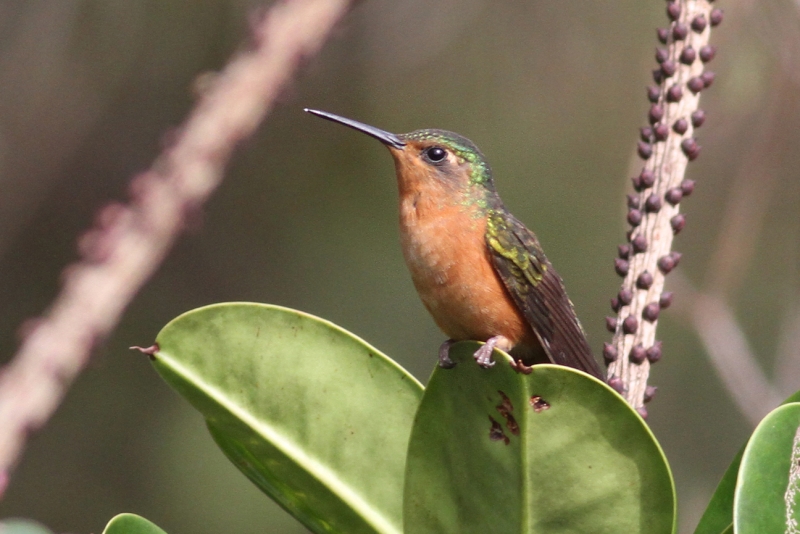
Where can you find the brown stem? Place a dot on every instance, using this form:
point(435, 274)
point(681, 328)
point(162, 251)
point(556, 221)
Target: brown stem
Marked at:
point(727, 348)
point(753, 187)
point(129, 242)
point(667, 146)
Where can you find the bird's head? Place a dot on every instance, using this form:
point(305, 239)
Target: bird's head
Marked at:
point(436, 159)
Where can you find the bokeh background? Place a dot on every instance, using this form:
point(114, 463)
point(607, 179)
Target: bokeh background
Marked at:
point(553, 93)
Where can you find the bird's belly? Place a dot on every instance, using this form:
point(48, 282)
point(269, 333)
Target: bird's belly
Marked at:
point(453, 274)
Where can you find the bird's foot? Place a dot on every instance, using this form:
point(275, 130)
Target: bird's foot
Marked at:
point(444, 355)
point(484, 354)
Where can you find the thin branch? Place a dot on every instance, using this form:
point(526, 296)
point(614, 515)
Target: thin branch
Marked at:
point(129, 241)
point(667, 146)
point(726, 345)
point(708, 310)
point(753, 187)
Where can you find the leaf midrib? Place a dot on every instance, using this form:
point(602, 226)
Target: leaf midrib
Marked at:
point(344, 491)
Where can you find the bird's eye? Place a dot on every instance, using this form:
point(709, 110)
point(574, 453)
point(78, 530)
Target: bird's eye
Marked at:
point(435, 154)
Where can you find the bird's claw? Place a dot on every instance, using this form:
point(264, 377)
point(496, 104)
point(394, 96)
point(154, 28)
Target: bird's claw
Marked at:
point(444, 355)
point(446, 363)
point(484, 356)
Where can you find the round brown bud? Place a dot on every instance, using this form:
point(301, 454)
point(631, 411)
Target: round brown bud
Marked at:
point(616, 384)
point(621, 267)
point(644, 281)
point(625, 296)
point(630, 325)
point(647, 178)
point(666, 264)
point(688, 55)
point(638, 354)
point(674, 93)
point(699, 23)
point(673, 10)
point(680, 126)
point(656, 113)
point(639, 244)
point(695, 84)
point(653, 203)
point(680, 31)
point(654, 352)
point(651, 311)
point(707, 53)
point(698, 118)
point(690, 148)
point(609, 353)
point(660, 131)
point(678, 222)
point(715, 17)
point(674, 196)
point(645, 150)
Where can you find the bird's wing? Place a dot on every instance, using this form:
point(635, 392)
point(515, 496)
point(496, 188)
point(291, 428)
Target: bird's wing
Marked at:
point(539, 292)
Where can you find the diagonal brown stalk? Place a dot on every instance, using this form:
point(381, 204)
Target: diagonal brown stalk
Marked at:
point(129, 241)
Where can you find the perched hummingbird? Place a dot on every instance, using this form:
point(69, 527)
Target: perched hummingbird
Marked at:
point(480, 272)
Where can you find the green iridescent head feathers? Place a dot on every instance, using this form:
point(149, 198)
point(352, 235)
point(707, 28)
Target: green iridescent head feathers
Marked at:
point(463, 148)
point(480, 173)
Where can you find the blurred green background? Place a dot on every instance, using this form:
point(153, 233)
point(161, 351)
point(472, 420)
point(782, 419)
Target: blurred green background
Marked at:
point(552, 92)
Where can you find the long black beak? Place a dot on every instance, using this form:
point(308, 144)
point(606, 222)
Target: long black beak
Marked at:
point(384, 137)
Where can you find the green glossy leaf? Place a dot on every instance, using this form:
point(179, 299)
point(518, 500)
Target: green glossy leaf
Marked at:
point(316, 417)
point(718, 517)
point(131, 524)
point(482, 459)
point(767, 495)
point(794, 397)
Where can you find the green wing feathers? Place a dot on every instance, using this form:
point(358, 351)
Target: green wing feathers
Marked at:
point(539, 292)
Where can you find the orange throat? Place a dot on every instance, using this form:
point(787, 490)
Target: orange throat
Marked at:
point(443, 239)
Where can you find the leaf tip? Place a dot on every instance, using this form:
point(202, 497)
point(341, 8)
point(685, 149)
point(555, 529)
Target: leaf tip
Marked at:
point(150, 351)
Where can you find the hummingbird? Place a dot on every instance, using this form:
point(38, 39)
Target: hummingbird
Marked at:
point(480, 272)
